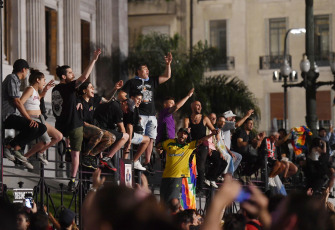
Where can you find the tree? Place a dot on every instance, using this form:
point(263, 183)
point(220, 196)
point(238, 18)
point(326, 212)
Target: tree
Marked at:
point(223, 93)
point(217, 94)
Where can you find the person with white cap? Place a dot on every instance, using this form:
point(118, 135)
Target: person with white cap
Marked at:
point(227, 123)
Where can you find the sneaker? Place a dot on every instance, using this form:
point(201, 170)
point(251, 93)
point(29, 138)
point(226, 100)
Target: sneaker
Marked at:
point(207, 182)
point(19, 156)
point(213, 184)
point(27, 165)
point(7, 153)
point(138, 166)
point(94, 162)
point(107, 162)
point(88, 162)
point(42, 157)
point(71, 186)
point(149, 169)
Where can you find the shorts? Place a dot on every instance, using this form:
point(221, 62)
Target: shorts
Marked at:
point(170, 188)
point(118, 135)
point(137, 139)
point(45, 136)
point(76, 137)
point(149, 125)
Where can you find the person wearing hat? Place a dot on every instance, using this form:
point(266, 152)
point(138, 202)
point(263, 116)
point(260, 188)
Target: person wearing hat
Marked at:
point(226, 123)
point(178, 152)
point(66, 219)
point(29, 129)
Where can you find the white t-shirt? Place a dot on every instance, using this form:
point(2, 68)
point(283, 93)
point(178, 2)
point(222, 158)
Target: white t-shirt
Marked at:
point(225, 132)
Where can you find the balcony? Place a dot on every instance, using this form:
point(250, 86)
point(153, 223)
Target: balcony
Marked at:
point(226, 63)
point(273, 62)
point(151, 7)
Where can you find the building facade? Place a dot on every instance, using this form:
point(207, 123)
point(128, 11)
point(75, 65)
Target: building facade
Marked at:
point(249, 35)
point(48, 33)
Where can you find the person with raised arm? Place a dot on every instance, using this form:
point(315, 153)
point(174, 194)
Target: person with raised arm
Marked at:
point(68, 119)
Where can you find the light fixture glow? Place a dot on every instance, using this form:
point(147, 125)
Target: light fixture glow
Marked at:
point(298, 31)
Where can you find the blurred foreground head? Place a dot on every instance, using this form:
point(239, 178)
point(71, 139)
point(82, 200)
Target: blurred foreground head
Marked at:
point(120, 207)
point(299, 211)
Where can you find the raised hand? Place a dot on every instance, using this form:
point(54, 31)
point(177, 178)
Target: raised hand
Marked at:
point(49, 85)
point(190, 93)
point(96, 54)
point(97, 181)
point(118, 85)
point(250, 112)
point(168, 58)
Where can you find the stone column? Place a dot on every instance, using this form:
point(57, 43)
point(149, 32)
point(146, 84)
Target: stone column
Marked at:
point(120, 37)
point(36, 34)
point(104, 26)
point(72, 45)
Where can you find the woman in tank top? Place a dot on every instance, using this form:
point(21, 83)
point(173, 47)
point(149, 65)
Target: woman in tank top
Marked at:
point(31, 100)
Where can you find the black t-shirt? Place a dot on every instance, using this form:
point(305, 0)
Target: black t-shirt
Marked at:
point(133, 118)
point(89, 107)
point(245, 137)
point(147, 88)
point(64, 103)
point(108, 115)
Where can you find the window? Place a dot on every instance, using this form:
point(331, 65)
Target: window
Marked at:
point(277, 110)
point(323, 108)
point(218, 39)
point(85, 44)
point(51, 40)
point(275, 57)
point(321, 39)
point(277, 30)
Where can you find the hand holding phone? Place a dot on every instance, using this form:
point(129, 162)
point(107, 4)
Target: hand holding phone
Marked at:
point(29, 201)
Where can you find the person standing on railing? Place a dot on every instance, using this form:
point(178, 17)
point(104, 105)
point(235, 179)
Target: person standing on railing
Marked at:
point(29, 128)
point(68, 118)
point(197, 124)
point(147, 85)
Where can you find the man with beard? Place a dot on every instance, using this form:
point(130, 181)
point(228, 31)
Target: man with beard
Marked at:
point(178, 152)
point(197, 124)
point(246, 143)
point(68, 119)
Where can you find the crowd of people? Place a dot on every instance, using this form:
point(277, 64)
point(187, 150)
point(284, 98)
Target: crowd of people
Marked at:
point(96, 128)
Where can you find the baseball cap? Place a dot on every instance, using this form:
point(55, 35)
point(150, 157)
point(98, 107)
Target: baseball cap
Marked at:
point(183, 130)
point(229, 113)
point(66, 217)
point(19, 64)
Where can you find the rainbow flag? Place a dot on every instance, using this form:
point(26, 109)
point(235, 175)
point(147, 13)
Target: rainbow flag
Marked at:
point(188, 187)
point(299, 139)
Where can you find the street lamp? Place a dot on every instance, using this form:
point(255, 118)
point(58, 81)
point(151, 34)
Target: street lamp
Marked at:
point(286, 71)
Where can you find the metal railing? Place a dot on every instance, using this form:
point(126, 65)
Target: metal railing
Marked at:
point(273, 62)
